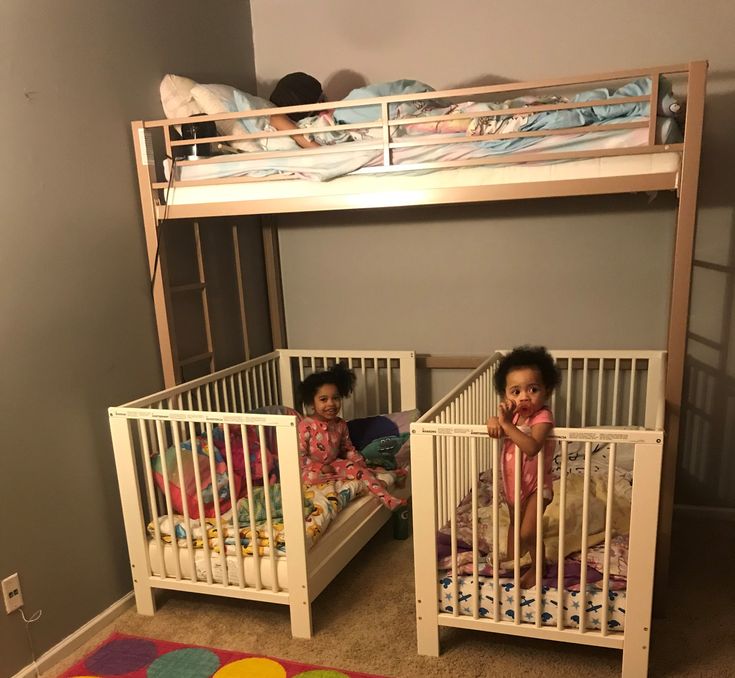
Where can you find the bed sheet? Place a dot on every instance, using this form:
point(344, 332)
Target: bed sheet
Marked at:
point(324, 167)
point(551, 606)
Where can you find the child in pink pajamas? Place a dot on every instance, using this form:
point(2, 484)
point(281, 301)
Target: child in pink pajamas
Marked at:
point(325, 449)
point(525, 378)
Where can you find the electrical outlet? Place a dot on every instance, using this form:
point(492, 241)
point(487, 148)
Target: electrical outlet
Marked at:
point(11, 593)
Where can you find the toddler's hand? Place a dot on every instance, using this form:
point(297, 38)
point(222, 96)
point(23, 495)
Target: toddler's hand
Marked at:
point(506, 410)
point(494, 429)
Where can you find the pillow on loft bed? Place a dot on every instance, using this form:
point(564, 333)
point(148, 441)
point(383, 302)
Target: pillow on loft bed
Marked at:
point(182, 97)
point(176, 97)
point(215, 99)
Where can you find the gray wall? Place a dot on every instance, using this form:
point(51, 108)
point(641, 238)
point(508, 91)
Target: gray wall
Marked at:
point(77, 319)
point(450, 279)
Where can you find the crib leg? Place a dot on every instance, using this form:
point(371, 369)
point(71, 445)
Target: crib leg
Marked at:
point(427, 637)
point(301, 619)
point(635, 661)
point(145, 601)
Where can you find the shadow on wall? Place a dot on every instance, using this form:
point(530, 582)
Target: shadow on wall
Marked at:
point(706, 466)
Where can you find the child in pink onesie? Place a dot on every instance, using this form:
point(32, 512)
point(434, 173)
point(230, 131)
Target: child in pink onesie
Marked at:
point(325, 449)
point(525, 378)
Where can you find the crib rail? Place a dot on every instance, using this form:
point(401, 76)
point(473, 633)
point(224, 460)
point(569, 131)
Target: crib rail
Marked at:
point(453, 455)
point(385, 380)
point(241, 388)
point(598, 388)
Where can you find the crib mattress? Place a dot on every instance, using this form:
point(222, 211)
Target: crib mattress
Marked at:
point(271, 574)
point(550, 609)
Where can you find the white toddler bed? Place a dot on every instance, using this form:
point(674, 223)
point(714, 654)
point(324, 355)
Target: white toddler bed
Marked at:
point(267, 544)
point(599, 533)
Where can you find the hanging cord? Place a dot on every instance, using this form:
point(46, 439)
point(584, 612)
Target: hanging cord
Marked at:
point(34, 618)
point(160, 223)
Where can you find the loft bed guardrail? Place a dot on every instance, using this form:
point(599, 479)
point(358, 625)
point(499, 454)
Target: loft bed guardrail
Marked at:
point(411, 138)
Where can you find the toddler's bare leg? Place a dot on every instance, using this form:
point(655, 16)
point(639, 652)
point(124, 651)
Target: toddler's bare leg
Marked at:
point(529, 529)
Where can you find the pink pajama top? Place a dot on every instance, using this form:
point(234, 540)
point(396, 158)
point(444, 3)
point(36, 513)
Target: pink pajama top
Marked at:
point(324, 442)
point(529, 465)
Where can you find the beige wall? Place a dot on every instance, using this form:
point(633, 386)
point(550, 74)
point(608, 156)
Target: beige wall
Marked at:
point(77, 319)
point(452, 280)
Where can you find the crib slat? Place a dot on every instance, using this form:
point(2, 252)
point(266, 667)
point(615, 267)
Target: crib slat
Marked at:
point(608, 536)
point(585, 532)
point(233, 393)
point(570, 374)
point(364, 381)
point(584, 393)
point(200, 505)
point(562, 535)
point(143, 431)
point(540, 556)
point(233, 504)
point(251, 512)
point(215, 500)
point(517, 537)
point(453, 524)
point(389, 373)
point(376, 369)
point(631, 403)
point(475, 531)
point(269, 386)
point(616, 386)
point(184, 503)
point(268, 510)
point(167, 493)
point(600, 382)
point(215, 385)
point(496, 529)
point(261, 380)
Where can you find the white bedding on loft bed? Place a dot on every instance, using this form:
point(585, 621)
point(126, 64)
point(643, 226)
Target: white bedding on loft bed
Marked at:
point(364, 181)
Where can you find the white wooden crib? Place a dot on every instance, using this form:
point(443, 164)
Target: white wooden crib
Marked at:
point(609, 417)
point(158, 428)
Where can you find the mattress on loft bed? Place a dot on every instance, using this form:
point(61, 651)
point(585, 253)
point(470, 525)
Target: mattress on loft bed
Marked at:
point(325, 531)
point(367, 179)
point(571, 599)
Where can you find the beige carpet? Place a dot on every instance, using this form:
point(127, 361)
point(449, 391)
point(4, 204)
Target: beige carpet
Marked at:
point(364, 621)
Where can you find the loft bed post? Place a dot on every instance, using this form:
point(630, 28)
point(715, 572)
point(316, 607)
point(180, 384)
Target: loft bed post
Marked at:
point(146, 176)
point(274, 281)
point(679, 313)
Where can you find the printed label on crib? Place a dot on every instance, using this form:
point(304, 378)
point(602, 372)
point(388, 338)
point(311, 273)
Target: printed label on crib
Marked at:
point(608, 436)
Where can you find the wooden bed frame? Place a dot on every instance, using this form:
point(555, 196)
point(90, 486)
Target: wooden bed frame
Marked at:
point(606, 397)
point(427, 188)
point(386, 382)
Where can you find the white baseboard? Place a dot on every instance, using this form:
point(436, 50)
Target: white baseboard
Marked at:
point(711, 512)
point(77, 639)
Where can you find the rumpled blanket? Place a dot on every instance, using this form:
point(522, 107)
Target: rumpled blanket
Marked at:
point(573, 525)
point(322, 504)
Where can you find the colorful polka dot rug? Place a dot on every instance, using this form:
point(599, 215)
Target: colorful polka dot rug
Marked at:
point(126, 656)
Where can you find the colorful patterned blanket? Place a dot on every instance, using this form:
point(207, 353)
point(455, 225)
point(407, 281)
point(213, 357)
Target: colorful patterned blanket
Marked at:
point(234, 533)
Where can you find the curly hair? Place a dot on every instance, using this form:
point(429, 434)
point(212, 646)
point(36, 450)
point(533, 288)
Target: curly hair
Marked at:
point(536, 357)
point(339, 375)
